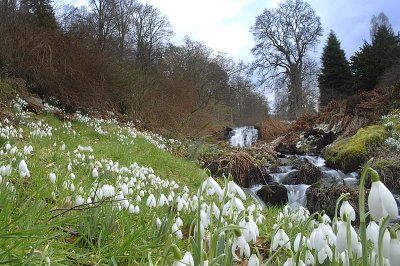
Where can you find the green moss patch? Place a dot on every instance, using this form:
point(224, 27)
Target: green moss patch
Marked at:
point(350, 153)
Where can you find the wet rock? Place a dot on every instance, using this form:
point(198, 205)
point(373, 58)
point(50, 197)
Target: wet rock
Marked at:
point(320, 198)
point(318, 139)
point(285, 148)
point(306, 173)
point(274, 194)
point(35, 104)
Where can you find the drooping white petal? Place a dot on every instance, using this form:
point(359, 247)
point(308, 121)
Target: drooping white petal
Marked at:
point(253, 260)
point(394, 252)
point(346, 208)
point(388, 201)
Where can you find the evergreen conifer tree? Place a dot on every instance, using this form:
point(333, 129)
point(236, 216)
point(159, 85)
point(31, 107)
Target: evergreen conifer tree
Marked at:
point(335, 77)
point(371, 62)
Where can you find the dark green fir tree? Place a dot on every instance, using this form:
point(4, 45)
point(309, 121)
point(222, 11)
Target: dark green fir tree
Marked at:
point(335, 77)
point(41, 11)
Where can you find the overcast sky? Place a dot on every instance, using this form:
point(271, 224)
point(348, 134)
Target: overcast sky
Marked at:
point(224, 25)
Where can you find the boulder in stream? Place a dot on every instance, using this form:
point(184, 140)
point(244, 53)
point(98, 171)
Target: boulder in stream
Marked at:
point(274, 194)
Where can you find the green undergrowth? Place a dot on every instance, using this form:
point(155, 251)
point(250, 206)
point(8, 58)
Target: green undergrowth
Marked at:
point(350, 153)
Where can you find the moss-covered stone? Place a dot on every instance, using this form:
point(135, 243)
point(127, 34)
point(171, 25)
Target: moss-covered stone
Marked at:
point(350, 153)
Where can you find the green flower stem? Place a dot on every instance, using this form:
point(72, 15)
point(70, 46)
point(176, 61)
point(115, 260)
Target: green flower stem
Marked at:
point(361, 207)
point(384, 224)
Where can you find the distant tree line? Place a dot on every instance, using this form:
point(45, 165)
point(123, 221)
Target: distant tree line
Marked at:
point(117, 54)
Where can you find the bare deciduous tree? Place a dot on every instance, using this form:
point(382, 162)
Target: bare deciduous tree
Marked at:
point(150, 31)
point(283, 37)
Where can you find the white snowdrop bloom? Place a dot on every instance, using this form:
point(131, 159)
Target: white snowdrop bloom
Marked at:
point(141, 193)
point(179, 234)
point(324, 236)
point(72, 176)
point(8, 146)
point(47, 261)
point(108, 191)
point(63, 147)
point(72, 187)
point(394, 252)
point(309, 258)
point(253, 260)
point(323, 253)
point(1, 179)
point(216, 210)
point(95, 173)
point(131, 208)
point(280, 239)
point(137, 209)
point(233, 188)
point(178, 221)
point(170, 198)
point(187, 260)
point(79, 200)
point(124, 189)
point(373, 235)
point(381, 202)
point(289, 262)
point(346, 208)
point(5, 170)
point(130, 191)
point(158, 223)
point(244, 248)
point(299, 240)
point(162, 200)
point(211, 187)
point(151, 201)
point(341, 240)
point(89, 200)
point(69, 167)
point(52, 177)
point(205, 220)
point(23, 169)
point(260, 219)
point(138, 198)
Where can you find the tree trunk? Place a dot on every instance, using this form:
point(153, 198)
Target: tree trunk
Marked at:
point(295, 94)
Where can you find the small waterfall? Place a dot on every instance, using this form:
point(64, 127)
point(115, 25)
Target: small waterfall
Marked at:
point(297, 195)
point(243, 136)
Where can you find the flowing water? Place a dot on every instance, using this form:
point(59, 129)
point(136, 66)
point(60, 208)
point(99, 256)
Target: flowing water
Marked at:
point(243, 136)
point(297, 193)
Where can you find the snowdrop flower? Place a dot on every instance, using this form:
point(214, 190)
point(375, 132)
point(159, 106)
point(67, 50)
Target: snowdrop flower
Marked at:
point(309, 259)
point(394, 251)
point(346, 208)
point(95, 173)
point(381, 202)
point(324, 253)
point(373, 235)
point(233, 188)
point(323, 236)
point(299, 240)
point(72, 176)
point(326, 219)
point(52, 177)
point(79, 200)
point(187, 260)
point(23, 169)
point(289, 262)
point(280, 239)
point(253, 260)
point(175, 230)
point(158, 223)
point(341, 240)
point(151, 201)
point(162, 200)
point(241, 243)
point(211, 187)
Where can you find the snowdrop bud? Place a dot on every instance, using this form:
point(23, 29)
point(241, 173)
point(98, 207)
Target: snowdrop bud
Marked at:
point(131, 208)
point(52, 177)
point(158, 223)
point(381, 202)
point(95, 173)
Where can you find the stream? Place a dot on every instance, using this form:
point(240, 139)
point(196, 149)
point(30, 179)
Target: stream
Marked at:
point(286, 171)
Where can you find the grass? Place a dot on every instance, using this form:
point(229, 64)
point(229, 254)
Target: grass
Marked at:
point(42, 221)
